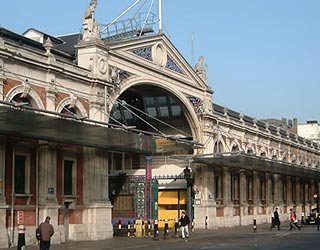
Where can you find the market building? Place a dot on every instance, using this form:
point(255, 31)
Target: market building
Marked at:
point(114, 125)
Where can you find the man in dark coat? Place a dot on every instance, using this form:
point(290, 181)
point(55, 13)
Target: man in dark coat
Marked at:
point(276, 219)
point(47, 231)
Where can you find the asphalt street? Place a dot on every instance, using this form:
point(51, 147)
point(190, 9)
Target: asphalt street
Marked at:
point(240, 238)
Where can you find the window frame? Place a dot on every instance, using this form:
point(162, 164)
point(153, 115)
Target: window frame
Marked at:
point(74, 175)
point(26, 171)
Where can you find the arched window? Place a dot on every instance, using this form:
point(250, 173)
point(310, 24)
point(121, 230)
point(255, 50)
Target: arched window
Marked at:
point(18, 99)
point(218, 148)
point(69, 110)
point(235, 148)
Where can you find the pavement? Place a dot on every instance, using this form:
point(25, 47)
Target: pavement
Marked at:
point(129, 243)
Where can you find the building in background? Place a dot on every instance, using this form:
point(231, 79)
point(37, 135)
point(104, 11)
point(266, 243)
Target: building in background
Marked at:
point(310, 131)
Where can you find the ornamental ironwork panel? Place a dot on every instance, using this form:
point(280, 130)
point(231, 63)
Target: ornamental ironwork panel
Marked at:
point(173, 66)
point(145, 52)
point(197, 104)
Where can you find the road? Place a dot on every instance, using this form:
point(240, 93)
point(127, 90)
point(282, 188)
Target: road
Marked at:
point(240, 238)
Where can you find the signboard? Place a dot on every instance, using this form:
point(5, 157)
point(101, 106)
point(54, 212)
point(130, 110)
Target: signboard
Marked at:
point(20, 217)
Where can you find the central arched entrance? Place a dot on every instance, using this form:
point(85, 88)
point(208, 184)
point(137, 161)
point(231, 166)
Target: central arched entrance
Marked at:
point(154, 110)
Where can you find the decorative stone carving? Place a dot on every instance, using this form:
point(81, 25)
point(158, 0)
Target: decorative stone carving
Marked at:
point(159, 55)
point(1, 67)
point(202, 70)
point(115, 76)
point(26, 89)
point(48, 46)
point(73, 101)
point(102, 65)
point(90, 26)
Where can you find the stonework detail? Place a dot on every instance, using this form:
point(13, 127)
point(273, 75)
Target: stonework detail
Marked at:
point(159, 55)
point(202, 69)
point(90, 26)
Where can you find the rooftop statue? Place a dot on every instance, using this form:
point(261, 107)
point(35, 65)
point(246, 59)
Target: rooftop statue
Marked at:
point(89, 24)
point(201, 69)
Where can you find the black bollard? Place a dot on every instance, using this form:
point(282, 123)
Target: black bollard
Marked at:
point(176, 228)
point(156, 230)
point(119, 228)
point(193, 224)
point(21, 238)
point(149, 229)
point(254, 224)
point(166, 229)
point(129, 227)
point(302, 218)
point(206, 222)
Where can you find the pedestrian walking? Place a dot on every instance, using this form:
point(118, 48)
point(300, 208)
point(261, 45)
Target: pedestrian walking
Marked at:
point(184, 224)
point(293, 220)
point(46, 231)
point(275, 219)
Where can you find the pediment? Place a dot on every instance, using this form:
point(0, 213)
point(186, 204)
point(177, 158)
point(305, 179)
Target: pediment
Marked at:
point(158, 54)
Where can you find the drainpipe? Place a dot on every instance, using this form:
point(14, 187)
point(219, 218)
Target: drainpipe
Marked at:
point(12, 196)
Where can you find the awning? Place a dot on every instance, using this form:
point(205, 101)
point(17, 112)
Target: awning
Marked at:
point(40, 124)
point(241, 160)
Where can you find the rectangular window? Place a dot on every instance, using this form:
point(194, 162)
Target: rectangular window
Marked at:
point(235, 187)
point(20, 170)
point(217, 182)
point(176, 111)
point(164, 112)
point(68, 180)
point(117, 161)
point(284, 191)
point(250, 188)
point(152, 111)
point(135, 161)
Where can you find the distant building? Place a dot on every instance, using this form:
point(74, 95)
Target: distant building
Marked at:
point(291, 125)
point(310, 130)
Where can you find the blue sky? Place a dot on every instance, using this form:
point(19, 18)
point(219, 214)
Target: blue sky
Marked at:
point(263, 55)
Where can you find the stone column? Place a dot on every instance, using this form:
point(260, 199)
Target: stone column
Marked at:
point(277, 190)
point(47, 173)
point(3, 207)
point(256, 188)
point(243, 197)
point(97, 207)
point(95, 176)
point(2, 79)
point(298, 192)
point(269, 190)
point(226, 186)
point(289, 191)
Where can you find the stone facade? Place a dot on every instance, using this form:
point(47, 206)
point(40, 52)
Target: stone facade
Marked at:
point(88, 85)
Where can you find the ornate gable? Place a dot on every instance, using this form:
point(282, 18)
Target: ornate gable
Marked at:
point(159, 54)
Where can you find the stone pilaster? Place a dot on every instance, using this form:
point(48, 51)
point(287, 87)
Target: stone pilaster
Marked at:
point(270, 190)
point(226, 186)
point(243, 188)
point(256, 188)
point(95, 176)
point(47, 173)
point(289, 191)
point(277, 190)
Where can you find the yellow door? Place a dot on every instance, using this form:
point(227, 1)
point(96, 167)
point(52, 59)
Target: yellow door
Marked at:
point(170, 205)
